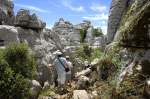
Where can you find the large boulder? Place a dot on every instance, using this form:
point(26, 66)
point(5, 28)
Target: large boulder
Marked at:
point(26, 20)
point(6, 12)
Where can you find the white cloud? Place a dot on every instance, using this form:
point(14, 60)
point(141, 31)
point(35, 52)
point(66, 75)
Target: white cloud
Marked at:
point(104, 29)
point(32, 8)
point(97, 17)
point(68, 4)
point(98, 8)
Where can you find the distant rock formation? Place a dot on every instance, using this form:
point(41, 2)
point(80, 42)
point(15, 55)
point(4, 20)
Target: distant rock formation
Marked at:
point(67, 33)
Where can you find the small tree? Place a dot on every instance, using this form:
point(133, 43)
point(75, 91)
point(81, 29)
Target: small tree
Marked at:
point(83, 33)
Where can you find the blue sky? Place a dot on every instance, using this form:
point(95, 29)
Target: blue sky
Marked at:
point(74, 11)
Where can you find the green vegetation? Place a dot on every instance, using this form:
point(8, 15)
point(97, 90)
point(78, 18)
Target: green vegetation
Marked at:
point(97, 33)
point(86, 52)
point(17, 66)
point(83, 33)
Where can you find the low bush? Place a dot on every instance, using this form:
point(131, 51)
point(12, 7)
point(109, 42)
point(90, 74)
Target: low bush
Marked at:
point(17, 66)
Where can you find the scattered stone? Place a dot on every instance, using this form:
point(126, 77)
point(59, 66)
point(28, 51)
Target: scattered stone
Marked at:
point(80, 94)
point(83, 82)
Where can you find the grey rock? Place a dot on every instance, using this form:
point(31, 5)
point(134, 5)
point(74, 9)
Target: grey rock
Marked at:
point(26, 20)
point(100, 41)
point(89, 36)
point(83, 82)
point(66, 32)
point(80, 94)
point(116, 10)
point(35, 89)
point(8, 34)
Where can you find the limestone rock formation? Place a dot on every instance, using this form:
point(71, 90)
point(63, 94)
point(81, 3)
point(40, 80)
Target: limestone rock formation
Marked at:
point(100, 41)
point(135, 28)
point(26, 20)
point(116, 10)
point(6, 12)
point(8, 34)
point(89, 36)
point(133, 35)
point(67, 33)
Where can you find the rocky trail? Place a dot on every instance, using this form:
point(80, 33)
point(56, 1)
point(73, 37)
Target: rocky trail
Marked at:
point(119, 62)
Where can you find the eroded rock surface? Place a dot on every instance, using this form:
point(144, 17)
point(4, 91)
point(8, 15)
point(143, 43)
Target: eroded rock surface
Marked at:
point(27, 20)
point(6, 12)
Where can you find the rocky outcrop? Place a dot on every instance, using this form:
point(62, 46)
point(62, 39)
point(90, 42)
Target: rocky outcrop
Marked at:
point(135, 28)
point(8, 34)
point(26, 20)
point(67, 33)
point(133, 36)
point(6, 12)
point(116, 11)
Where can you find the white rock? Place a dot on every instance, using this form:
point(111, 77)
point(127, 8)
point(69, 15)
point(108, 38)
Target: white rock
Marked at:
point(80, 94)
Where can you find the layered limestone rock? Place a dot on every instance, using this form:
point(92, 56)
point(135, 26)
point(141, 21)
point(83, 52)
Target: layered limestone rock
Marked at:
point(8, 34)
point(84, 25)
point(89, 36)
point(6, 12)
point(67, 33)
point(116, 10)
point(26, 20)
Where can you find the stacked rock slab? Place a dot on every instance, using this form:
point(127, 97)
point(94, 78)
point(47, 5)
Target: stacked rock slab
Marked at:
point(26, 20)
point(116, 11)
point(6, 12)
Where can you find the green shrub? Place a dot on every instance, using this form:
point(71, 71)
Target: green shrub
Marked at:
point(87, 53)
point(17, 56)
point(83, 33)
point(97, 33)
point(16, 69)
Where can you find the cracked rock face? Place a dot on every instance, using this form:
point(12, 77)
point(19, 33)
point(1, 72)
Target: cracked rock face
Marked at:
point(6, 12)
